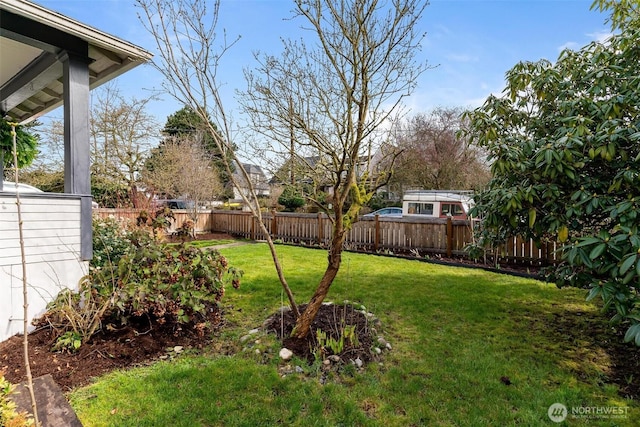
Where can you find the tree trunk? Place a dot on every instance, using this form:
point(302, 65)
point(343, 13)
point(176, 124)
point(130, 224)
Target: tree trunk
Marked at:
point(25, 291)
point(303, 323)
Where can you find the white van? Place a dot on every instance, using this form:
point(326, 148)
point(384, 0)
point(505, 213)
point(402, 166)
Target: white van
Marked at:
point(437, 203)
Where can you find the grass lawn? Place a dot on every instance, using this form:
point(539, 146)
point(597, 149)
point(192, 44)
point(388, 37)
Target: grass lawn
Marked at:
point(458, 336)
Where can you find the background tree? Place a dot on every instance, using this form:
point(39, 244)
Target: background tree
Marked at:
point(46, 172)
point(291, 198)
point(122, 133)
point(189, 52)
point(329, 96)
point(182, 168)
point(26, 145)
point(432, 155)
point(564, 142)
point(187, 122)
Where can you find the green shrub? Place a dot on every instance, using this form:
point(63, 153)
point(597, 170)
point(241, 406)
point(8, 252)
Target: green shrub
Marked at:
point(112, 239)
point(291, 199)
point(186, 230)
point(159, 222)
point(134, 275)
point(76, 316)
point(168, 283)
point(9, 415)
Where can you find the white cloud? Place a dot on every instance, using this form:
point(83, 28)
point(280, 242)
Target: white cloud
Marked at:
point(569, 45)
point(600, 36)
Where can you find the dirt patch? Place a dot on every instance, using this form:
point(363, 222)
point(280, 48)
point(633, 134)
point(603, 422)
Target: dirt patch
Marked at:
point(105, 351)
point(333, 320)
point(593, 349)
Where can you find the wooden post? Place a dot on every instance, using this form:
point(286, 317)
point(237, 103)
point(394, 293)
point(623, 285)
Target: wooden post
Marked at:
point(274, 224)
point(376, 238)
point(320, 231)
point(449, 236)
point(253, 227)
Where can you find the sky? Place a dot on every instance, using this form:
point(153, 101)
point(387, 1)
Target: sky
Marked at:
point(470, 44)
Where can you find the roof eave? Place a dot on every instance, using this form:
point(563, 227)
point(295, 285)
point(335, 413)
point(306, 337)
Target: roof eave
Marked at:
point(91, 35)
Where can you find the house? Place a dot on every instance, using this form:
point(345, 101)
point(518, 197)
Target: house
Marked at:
point(317, 172)
point(48, 60)
point(306, 172)
point(257, 178)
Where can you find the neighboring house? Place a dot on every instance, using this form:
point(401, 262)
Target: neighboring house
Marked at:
point(304, 171)
point(257, 178)
point(317, 172)
point(48, 60)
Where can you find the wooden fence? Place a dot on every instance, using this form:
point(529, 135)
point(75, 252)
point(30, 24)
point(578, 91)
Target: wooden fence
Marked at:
point(181, 215)
point(398, 235)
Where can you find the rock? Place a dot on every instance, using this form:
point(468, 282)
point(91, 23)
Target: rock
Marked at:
point(178, 349)
point(299, 370)
point(247, 337)
point(326, 362)
point(285, 354)
point(257, 351)
point(284, 309)
point(53, 407)
point(377, 350)
point(388, 346)
point(358, 362)
point(334, 358)
point(382, 342)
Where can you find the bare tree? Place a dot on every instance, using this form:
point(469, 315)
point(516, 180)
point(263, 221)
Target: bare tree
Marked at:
point(332, 102)
point(182, 168)
point(122, 133)
point(433, 155)
point(188, 55)
point(25, 281)
point(50, 146)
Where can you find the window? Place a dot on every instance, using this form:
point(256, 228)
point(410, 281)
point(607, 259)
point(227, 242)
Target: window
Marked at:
point(452, 209)
point(421, 208)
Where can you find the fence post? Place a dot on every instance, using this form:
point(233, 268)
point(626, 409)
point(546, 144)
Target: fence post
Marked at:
point(320, 236)
point(376, 238)
point(449, 236)
point(253, 227)
point(274, 224)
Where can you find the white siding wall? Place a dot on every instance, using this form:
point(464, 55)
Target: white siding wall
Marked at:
point(51, 227)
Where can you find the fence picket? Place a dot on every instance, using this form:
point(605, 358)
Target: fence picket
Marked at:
point(433, 235)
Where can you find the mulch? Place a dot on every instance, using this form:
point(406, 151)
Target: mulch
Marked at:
point(107, 350)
